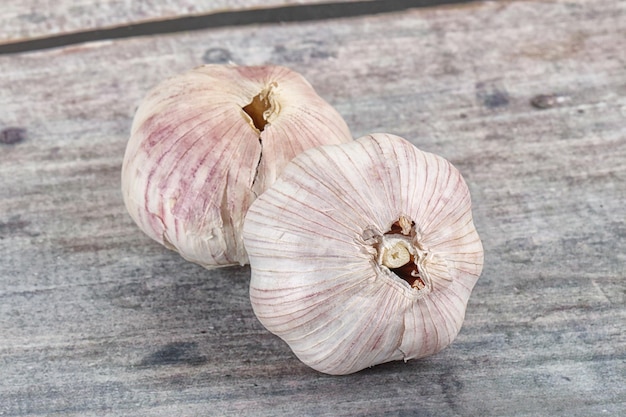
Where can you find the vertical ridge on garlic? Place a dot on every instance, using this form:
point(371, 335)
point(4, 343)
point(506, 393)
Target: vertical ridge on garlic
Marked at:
point(363, 253)
point(204, 144)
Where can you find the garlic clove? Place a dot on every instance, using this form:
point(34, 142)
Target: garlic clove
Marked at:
point(363, 253)
point(204, 144)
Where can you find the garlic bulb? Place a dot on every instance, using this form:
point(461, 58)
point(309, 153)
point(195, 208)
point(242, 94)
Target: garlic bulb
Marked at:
point(363, 253)
point(206, 143)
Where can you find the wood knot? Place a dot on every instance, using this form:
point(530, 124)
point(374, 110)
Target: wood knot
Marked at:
point(12, 135)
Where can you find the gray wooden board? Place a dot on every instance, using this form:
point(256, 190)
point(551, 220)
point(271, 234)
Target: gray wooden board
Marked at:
point(24, 19)
point(527, 99)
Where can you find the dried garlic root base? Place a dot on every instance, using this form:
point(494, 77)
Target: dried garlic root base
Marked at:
point(204, 144)
point(363, 253)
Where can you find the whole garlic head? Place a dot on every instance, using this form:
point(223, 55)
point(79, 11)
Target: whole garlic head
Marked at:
point(206, 143)
point(363, 253)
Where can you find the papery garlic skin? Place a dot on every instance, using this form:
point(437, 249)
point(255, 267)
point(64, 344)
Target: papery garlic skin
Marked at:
point(320, 238)
point(204, 144)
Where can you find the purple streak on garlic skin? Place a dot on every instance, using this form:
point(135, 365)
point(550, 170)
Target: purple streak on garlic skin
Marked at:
point(363, 253)
point(206, 143)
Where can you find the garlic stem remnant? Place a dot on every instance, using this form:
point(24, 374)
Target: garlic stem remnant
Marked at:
point(262, 108)
point(395, 253)
point(328, 245)
point(400, 253)
point(205, 143)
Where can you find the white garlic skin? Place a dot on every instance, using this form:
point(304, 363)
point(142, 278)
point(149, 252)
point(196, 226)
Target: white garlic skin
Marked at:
point(196, 159)
point(319, 240)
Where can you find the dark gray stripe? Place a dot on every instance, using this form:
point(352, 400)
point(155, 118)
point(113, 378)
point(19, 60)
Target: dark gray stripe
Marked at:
point(295, 13)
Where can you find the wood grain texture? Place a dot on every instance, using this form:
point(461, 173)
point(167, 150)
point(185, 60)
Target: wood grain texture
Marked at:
point(24, 19)
point(527, 99)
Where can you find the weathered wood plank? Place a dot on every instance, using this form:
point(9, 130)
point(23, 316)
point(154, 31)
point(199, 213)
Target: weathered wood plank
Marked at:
point(98, 320)
point(26, 19)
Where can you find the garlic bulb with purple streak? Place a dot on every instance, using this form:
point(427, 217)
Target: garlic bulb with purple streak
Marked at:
point(363, 253)
point(206, 143)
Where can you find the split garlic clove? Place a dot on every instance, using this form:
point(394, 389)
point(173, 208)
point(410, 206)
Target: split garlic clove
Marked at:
point(363, 253)
point(206, 143)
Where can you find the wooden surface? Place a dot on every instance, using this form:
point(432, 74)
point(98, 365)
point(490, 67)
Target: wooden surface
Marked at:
point(526, 98)
point(25, 19)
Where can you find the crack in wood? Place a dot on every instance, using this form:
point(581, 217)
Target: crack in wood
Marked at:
point(272, 15)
